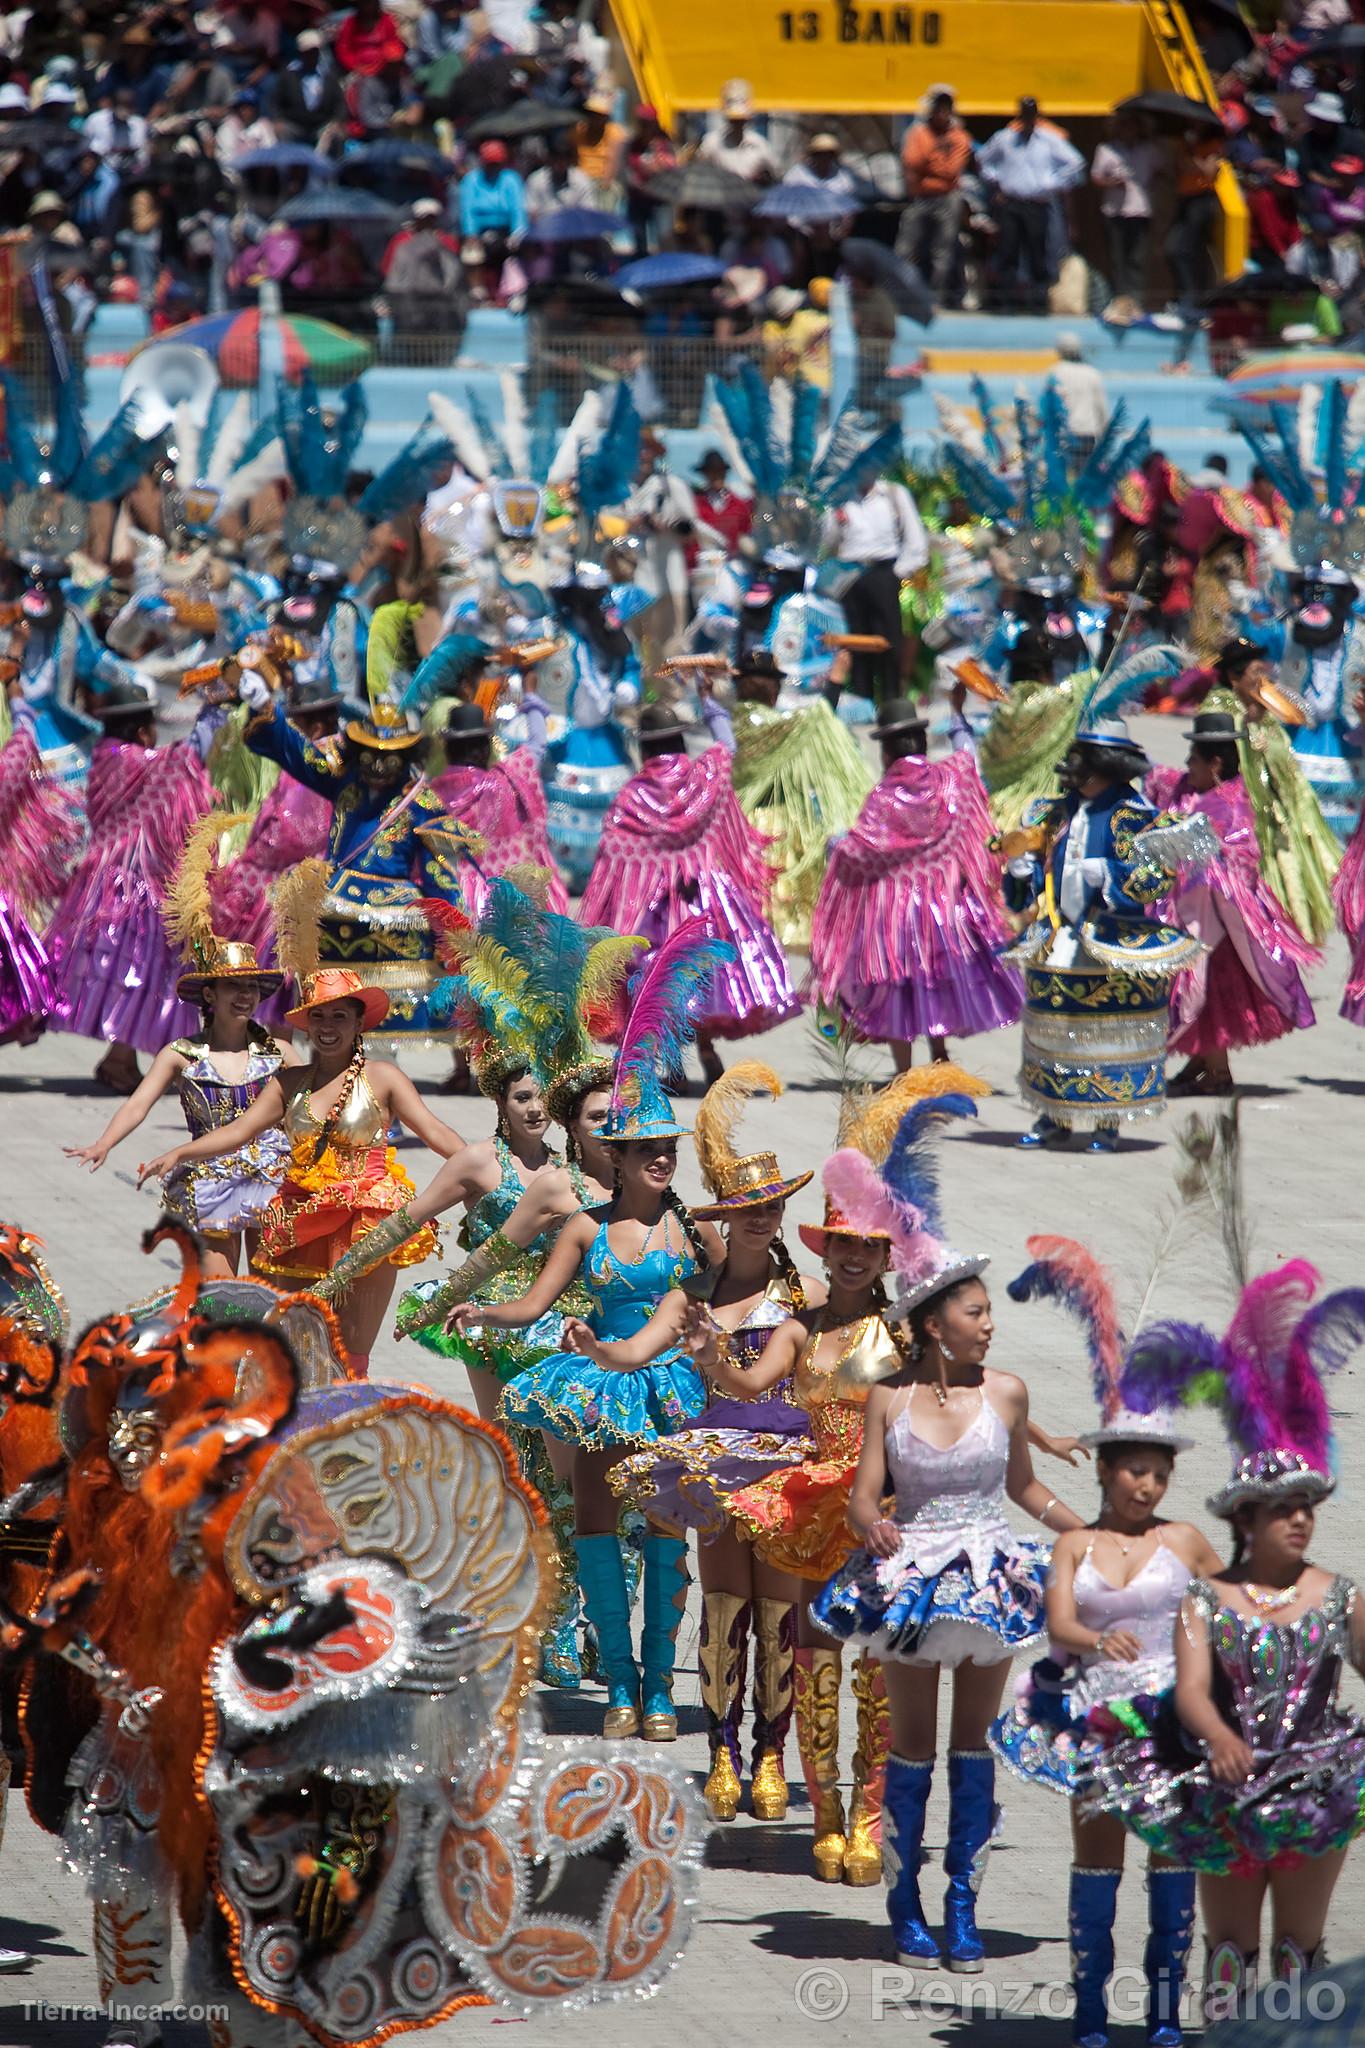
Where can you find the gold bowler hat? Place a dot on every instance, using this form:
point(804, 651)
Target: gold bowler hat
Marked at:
point(227, 960)
point(384, 730)
point(738, 1181)
point(749, 1183)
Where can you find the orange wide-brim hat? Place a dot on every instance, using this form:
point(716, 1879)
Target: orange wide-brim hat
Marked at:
point(814, 1236)
point(339, 985)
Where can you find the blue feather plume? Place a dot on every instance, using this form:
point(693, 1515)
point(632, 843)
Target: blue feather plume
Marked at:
point(1028, 458)
point(1281, 464)
point(21, 463)
point(606, 472)
point(1056, 439)
point(69, 442)
point(117, 459)
point(806, 399)
point(409, 477)
point(544, 435)
point(911, 1169)
point(319, 452)
point(1332, 427)
point(866, 466)
point(986, 493)
point(748, 411)
point(1094, 486)
point(442, 671)
point(995, 447)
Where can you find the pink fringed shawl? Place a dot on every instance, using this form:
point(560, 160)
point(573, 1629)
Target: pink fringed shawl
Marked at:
point(40, 829)
point(505, 804)
point(675, 822)
point(915, 868)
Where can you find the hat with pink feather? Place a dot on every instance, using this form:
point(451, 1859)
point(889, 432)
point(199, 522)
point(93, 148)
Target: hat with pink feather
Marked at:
point(1265, 1376)
point(897, 1198)
point(1065, 1272)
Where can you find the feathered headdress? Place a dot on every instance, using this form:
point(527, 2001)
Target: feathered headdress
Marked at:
point(883, 1180)
point(1046, 487)
point(319, 526)
point(298, 898)
point(1326, 537)
point(735, 1181)
point(1065, 1272)
point(657, 1028)
point(187, 913)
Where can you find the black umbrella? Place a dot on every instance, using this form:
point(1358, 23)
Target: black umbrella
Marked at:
point(522, 118)
point(349, 207)
point(486, 86)
point(873, 261)
point(703, 184)
point(1172, 106)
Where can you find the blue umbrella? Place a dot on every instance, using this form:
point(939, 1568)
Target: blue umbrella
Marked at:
point(576, 224)
point(285, 156)
point(671, 267)
point(805, 205)
point(416, 159)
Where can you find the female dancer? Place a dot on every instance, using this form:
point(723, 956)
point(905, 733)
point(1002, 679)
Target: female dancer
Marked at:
point(628, 1256)
point(1114, 1591)
point(944, 1582)
point(684, 1480)
point(1263, 1792)
point(219, 1072)
point(335, 1111)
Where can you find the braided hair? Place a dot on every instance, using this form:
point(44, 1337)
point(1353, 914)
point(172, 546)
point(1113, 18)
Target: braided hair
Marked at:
point(787, 1273)
point(675, 1205)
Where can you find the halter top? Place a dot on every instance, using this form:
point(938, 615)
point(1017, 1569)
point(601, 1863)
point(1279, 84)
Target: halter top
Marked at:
point(625, 1295)
point(951, 1499)
point(492, 1210)
point(834, 1392)
point(210, 1103)
point(361, 1126)
point(1146, 1607)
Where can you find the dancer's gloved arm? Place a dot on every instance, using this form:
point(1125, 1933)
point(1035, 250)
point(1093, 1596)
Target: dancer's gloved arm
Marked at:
point(559, 1269)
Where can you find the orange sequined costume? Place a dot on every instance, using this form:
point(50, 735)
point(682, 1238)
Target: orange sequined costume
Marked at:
point(796, 1516)
point(327, 1202)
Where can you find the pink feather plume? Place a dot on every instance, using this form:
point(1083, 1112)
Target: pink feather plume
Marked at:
point(1256, 1350)
point(658, 1026)
point(859, 1193)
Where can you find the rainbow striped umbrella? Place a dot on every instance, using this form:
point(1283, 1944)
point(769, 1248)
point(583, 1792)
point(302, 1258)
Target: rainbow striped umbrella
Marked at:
point(233, 340)
point(1279, 376)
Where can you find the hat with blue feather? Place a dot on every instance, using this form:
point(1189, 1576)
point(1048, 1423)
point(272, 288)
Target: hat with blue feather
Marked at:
point(773, 438)
point(322, 533)
point(49, 484)
point(658, 1026)
point(1326, 537)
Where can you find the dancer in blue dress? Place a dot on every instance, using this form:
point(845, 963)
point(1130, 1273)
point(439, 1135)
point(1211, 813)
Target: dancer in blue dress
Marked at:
point(629, 1255)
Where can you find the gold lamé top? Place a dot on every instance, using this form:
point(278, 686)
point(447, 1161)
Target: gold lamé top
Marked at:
point(362, 1122)
point(865, 1357)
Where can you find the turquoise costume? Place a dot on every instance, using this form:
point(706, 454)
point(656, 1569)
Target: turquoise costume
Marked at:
point(572, 1398)
point(382, 867)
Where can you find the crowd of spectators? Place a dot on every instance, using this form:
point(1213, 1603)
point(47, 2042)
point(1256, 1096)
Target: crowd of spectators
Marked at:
point(390, 164)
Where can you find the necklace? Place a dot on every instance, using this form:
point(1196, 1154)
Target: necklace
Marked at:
point(1124, 1548)
point(1270, 1599)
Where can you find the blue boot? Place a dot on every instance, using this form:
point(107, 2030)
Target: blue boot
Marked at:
point(971, 1816)
point(1094, 1902)
point(1044, 1132)
point(665, 1599)
point(1170, 1930)
point(903, 1807)
point(602, 1575)
point(1104, 1139)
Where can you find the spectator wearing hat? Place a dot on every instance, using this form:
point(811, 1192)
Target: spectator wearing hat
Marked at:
point(716, 508)
point(1124, 170)
point(1330, 262)
point(424, 277)
point(599, 145)
point(738, 296)
point(796, 337)
point(1327, 136)
point(243, 129)
point(49, 235)
point(1028, 165)
point(934, 156)
point(306, 98)
point(492, 215)
point(823, 167)
point(734, 145)
point(879, 533)
point(136, 69)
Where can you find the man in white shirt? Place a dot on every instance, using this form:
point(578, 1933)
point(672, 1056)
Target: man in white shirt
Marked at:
point(736, 147)
point(1082, 393)
point(1028, 165)
point(879, 532)
point(1123, 170)
point(118, 132)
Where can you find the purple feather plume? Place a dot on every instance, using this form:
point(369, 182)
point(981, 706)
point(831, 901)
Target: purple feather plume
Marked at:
point(1256, 1351)
point(1322, 1343)
point(658, 1026)
point(1164, 1360)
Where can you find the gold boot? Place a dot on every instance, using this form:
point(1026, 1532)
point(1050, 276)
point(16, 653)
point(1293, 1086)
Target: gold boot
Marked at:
point(817, 1676)
point(863, 1854)
point(774, 1641)
point(724, 1642)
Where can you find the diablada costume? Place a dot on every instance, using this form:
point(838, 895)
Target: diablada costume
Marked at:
point(1065, 1707)
point(1097, 971)
point(1275, 1683)
point(360, 1773)
point(382, 866)
point(686, 1480)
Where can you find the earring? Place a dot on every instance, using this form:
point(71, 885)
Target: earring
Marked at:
point(948, 1357)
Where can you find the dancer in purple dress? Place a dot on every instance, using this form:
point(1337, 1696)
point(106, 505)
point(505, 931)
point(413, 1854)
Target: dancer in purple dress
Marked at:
point(676, 846)
point(40, 832)
point(910, 923)
point(115, 972)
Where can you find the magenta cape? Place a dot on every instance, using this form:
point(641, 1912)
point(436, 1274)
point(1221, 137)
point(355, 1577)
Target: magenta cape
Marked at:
point(675, 844)
point(116, 973)
point(291, 826)
point(909, 921)
point(40, 833)
point(505, 805)
point(1246, 990)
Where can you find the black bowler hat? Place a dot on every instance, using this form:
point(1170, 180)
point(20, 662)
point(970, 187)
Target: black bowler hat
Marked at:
point(656, 722)
point(1239, 654)
point(759, 661)
point(465, 722)
point(1214, 728)
point(897, 714)
point(312, 695)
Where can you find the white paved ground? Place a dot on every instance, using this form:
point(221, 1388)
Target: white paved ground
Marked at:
point(775, 1952)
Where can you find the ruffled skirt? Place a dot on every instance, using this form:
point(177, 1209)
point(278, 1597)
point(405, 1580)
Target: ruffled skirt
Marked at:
point(582, 1403)
point(796, 1516)
point(1236, 1012)
point(224, 1196)
point(903, 1615)
point(1303, 1800)
point(28, 988)
point(1056, 1725)
point(323, 1209)
point(115, 973)
point(689, 1480)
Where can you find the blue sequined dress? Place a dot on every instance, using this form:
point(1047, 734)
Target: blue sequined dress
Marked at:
point(587, 1404)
